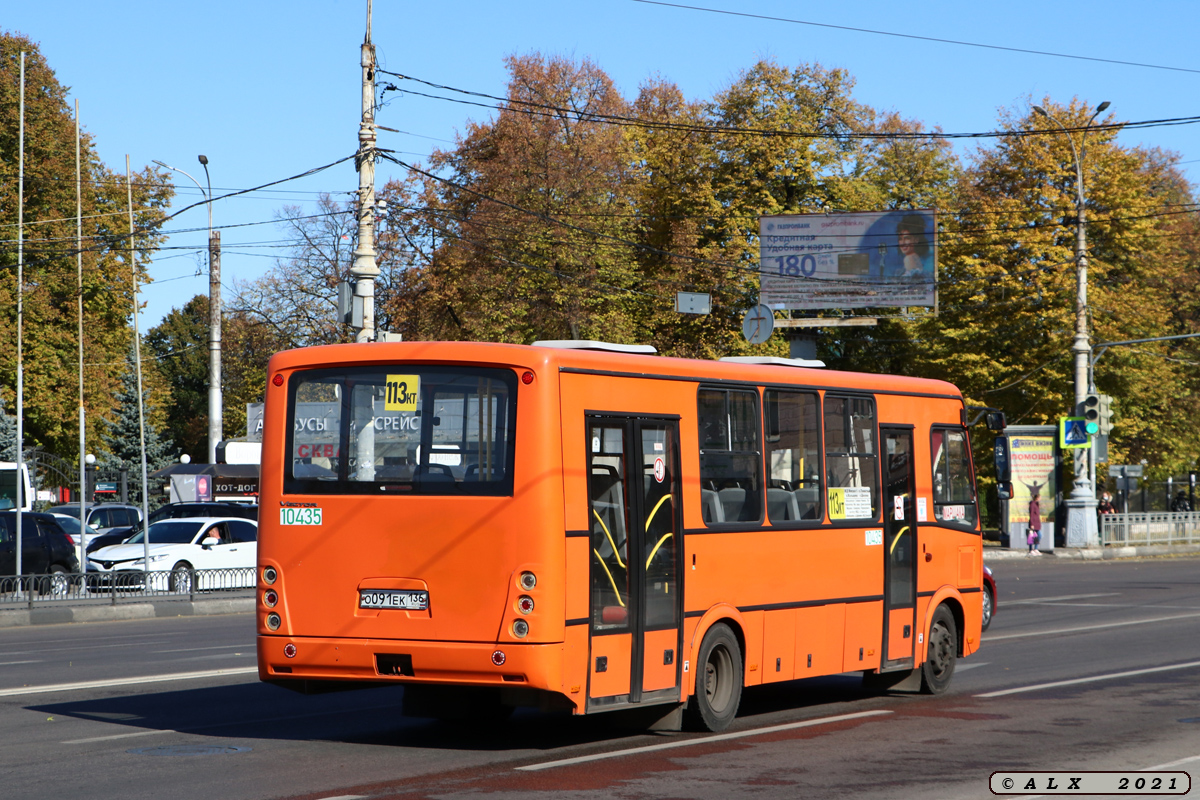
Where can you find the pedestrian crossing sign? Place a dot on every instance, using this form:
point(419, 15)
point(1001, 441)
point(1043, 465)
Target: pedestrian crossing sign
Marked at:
point(1072, 433)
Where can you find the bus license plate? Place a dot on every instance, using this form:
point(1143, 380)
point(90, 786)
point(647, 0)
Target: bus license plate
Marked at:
point(406, 601)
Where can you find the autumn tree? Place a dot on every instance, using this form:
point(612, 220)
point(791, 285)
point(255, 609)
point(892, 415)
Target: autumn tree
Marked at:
point(1008, 276)
point(533, 217)
point(110, 257)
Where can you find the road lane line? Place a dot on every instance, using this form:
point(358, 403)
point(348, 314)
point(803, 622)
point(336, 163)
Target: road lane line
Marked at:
point(117, 736)
point(12, 663)
point(1087, 628)
point(1008, 603)
point(1093, 679)
point(178, 676)
point(197, 649)
point(702, 740)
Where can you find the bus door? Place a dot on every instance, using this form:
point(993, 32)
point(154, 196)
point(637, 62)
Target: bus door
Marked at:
point(636, 579)
point(899, 540)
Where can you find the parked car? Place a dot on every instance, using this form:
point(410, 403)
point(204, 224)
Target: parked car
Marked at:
point(102, 516)
point(180, 510)
point(178, 547)
point(45, 549)
point(71, 526)
point(989, 596)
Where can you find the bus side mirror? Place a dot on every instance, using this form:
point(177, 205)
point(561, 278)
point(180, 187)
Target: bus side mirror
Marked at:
point(1005, 490)
point(1003, 465)
point(996, 421)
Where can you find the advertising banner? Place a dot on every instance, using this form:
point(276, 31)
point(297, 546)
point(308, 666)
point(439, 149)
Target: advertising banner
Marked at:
point(842, 261)
point(1033, 471)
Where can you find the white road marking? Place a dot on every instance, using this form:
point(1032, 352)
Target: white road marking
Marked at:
point(1093, 679)
point(198, 649)
point(961, 667)
point(808, 723)
point(11, 663)
point(116, 736)
point(1036, 600)
point(345, 797)
point(178, 676)
point(1086, 628)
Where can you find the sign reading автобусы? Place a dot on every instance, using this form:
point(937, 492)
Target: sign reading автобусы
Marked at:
point(863, 260)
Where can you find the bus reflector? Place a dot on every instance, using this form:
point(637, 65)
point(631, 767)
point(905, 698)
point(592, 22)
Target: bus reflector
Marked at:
point(289, 650)
point(498, 658)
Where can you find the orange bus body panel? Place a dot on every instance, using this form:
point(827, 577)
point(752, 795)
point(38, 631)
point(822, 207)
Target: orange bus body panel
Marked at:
point(803, 600)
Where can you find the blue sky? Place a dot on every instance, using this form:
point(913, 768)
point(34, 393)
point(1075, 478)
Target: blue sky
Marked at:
point(270, 89)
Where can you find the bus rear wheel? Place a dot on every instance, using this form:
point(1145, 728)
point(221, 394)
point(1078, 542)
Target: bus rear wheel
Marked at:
point(942, 655)
point(718, 681)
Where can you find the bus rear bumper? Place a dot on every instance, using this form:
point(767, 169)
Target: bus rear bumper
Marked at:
point(295, 658)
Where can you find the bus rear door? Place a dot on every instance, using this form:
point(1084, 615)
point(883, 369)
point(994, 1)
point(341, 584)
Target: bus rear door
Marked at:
point(636, 580)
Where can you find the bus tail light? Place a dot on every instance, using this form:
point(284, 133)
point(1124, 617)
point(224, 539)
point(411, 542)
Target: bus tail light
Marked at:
point(528, 580)
point(498, 658)
point(273, 621)
point(526, 377)
point(525, 604)
point(520, 629)
point(289, 650)
point(277, 380)
point(269, 575)
point(270, 598)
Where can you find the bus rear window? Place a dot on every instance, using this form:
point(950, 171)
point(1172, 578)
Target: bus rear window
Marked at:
point(401, 429)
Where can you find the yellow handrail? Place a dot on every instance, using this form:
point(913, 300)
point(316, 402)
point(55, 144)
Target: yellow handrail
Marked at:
point(610, 577)
point(611, 541)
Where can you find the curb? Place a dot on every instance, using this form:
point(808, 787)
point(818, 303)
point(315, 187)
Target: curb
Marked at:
point(61, 615)
point(1095, 553)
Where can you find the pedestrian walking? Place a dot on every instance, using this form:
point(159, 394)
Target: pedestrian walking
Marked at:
point(1180, 503)
point(1034, 536)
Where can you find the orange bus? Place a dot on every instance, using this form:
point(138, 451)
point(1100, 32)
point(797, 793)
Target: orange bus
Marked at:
point(593, 527)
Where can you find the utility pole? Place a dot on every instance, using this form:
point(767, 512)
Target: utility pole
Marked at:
point(1082, 527)
point(215, 404)
point(364, 271)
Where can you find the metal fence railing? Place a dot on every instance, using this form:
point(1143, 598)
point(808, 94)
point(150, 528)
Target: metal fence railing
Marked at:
point(95, 588)
point(1150, 527)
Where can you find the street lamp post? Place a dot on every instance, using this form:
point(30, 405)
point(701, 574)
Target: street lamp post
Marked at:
point(215, 405)
point(1081, 519)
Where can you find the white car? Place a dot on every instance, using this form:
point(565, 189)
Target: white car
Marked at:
point(71, 526)
point(220, 551)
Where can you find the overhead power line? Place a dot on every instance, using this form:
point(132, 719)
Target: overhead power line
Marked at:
point(532, 108)
point(957, 42)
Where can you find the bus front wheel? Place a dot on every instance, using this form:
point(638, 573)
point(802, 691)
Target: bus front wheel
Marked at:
point(938, 668)
point(718, 681)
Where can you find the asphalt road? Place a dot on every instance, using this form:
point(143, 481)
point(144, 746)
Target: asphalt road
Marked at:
point(171, 707)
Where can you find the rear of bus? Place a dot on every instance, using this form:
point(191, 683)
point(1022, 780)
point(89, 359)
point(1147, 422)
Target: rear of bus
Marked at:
point(405, 534)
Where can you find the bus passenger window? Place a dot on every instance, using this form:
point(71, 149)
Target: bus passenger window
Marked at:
point(851, 458)
point(730, 458)
point(607, 487)
point(953, 485)
point(793, 456)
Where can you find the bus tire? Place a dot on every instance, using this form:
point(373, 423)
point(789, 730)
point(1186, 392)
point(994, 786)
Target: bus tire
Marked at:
point(942, 655)
point(718, 681)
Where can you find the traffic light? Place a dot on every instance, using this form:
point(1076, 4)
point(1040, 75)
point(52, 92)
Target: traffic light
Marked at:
point(1106, 414)
point(1091, 413)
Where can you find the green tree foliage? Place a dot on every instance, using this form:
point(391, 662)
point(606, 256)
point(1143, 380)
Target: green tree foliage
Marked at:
point(1008, 282)
point(180, 345)
point(123, 437)
point(50, 341)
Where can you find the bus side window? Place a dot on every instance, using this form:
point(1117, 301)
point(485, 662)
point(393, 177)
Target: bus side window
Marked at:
point(730, 457)
point(793, 456)
point(953, 487)
point(852, 456)
point(609, 526)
